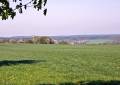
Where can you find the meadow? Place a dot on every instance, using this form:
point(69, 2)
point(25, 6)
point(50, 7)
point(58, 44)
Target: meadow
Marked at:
point(28, 64)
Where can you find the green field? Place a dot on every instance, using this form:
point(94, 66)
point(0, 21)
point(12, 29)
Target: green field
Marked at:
point(22, 64)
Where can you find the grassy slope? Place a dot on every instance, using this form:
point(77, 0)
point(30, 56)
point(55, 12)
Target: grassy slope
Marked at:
point(58, 63)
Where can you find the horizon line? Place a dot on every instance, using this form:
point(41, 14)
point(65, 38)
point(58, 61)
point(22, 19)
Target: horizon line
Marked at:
point(59, 35)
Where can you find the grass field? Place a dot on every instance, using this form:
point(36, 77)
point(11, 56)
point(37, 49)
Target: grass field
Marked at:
point(22, 64)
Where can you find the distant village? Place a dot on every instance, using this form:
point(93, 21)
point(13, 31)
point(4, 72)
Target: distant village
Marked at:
point(33, 39)
point(51, 40)
point(39, 40)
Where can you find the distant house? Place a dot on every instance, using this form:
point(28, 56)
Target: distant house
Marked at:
point(56, 42)
point(20, 41)
point(12, 41)
point(28, 41)
point(1, 40)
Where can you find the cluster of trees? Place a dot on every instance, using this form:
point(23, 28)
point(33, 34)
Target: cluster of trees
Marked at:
point(34, 40)
point(15, 41)
point(42, 40)
point(9, 8)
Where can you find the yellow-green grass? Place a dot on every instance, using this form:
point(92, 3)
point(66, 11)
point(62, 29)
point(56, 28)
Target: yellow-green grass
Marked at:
point(28, 64)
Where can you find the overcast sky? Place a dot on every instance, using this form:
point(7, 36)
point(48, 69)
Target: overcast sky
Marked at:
point(67, 17)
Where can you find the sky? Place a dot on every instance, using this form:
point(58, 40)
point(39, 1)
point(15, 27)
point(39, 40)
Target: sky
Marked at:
point(66, 17)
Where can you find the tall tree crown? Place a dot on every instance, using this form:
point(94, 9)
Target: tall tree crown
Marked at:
point(6, 10)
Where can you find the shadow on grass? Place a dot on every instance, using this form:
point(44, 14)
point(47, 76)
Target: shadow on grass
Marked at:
point(16, 62)
point(98, 82)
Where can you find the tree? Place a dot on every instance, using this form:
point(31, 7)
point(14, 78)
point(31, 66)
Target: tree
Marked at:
point(42, 40)
point(9, 8)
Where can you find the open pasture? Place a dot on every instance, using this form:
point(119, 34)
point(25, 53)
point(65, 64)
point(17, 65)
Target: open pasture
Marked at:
point(28, 64)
